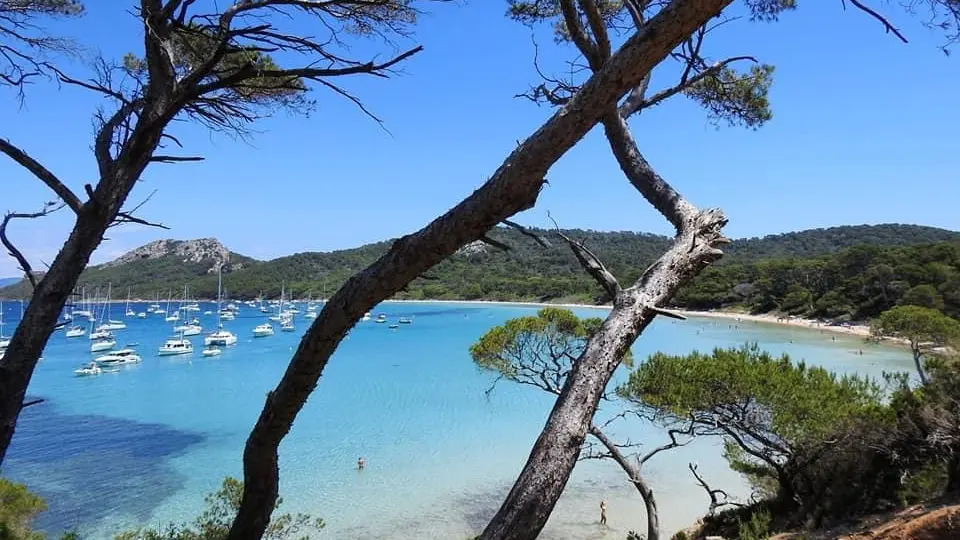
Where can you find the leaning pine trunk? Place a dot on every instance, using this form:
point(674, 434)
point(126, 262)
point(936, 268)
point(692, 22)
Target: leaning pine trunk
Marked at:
point(536, 491)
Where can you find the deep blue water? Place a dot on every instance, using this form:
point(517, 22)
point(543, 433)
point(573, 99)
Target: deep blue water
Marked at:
point(144, 445)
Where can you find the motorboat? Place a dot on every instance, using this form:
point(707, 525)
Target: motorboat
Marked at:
point(211, 351)
point(76, 331)
point(103, 345)
point(366, 316)
point(176, 346)
point(310, 314)
point(208, 312)
point(172, 318)
point(220, 338)
point(405, 320)
point(287, 326)
point(226, 315)
point(394, 326)
point(381, 318)
point(142, 315)
point(117, 358)
point(263, 330)
point(88, 369)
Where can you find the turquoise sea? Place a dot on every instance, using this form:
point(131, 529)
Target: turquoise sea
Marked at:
point(141, 447)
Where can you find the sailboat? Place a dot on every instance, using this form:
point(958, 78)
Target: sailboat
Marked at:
point(221, 337)
point(191, 328)
point(101, 339)
point(155, 306)
point(166, 312)
point(84, 310)
point(110, 324)
point(129, 312)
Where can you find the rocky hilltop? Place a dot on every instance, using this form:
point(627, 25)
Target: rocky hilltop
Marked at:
point(207, 251)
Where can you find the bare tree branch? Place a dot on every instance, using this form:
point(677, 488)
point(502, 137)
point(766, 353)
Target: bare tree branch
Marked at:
point(527, 232)
point(42, 173)
point(633, 471)
point(175, 159)
point(32, 402)
point(123, 217)
point(888, 27)
point(14, 252)
point(495, 243)
point(591, 263)
point(629, 108)
point(718, 497)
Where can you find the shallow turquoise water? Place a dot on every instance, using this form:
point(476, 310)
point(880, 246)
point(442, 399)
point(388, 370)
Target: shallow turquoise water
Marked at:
point(143, 446)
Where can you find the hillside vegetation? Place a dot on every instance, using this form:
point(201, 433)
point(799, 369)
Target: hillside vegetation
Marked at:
point(769, 267)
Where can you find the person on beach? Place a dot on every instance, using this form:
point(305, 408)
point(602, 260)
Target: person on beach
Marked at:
point(603, 512)
point(361, 463)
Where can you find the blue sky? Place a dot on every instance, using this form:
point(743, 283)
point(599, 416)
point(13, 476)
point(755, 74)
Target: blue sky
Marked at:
point(863, 132)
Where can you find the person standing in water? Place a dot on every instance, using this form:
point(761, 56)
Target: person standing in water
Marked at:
point(361, 463)
point(603, 512)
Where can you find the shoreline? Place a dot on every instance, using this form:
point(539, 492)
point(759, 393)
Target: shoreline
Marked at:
point(857, 330)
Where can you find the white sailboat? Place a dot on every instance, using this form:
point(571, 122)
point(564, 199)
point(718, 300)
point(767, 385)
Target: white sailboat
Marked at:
point(99, 333)
point(76, 331)
point(191, 328)
point(84, 310)
point(103, 345)
point(110, 324)
point(221, 337)
point(129, 312)
point(166, 312)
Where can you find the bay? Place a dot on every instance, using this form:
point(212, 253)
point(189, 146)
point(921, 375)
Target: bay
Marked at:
point(141, 447)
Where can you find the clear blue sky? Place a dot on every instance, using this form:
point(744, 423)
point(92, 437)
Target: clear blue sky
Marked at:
point(864, 131)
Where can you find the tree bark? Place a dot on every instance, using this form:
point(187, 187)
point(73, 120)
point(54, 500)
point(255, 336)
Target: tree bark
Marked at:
point(50, 296)
point(637, 479)
point(918, 362)
point(512, 188)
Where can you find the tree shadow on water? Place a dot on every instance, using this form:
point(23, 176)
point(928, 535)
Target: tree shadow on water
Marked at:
point(91, 468)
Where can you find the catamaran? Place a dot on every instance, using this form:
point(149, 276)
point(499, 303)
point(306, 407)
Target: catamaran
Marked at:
point(221, 337)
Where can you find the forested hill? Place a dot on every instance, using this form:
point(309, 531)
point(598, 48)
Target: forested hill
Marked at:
point(527, 271)
point(814, 242)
